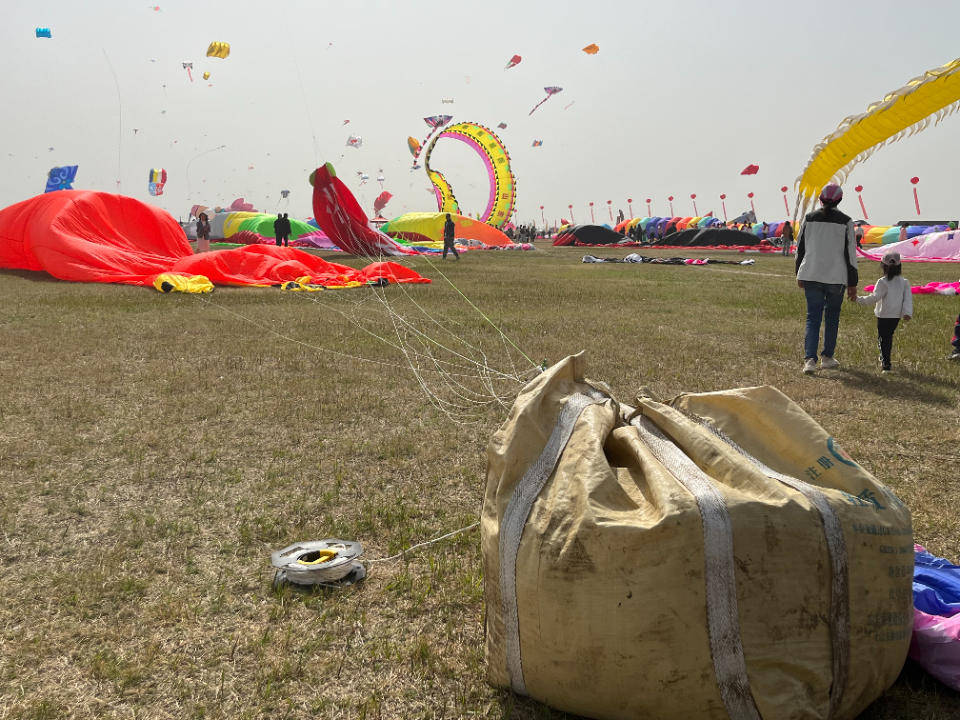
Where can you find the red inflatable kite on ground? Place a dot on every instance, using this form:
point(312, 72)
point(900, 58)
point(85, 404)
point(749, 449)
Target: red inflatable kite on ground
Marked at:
point(87, 236)
point(340, 216)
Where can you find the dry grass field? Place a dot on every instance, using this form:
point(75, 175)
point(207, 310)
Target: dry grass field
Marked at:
point(155, 448)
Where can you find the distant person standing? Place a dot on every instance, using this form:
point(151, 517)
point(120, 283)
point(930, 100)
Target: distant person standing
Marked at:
point(449, 229)
point(286, 230)
point(278, 229)
point(858, 235)
point(787, 237)
point(826, 263)
point(203, 233)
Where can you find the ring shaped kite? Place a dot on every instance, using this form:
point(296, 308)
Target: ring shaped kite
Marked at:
point(503, 185)
point(923, 101)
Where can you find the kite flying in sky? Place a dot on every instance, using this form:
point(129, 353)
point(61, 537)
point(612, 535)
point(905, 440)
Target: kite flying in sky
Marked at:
point(922, 102)
point(381, 202)
point(552, 90)
point(44, 33)
point(435, 122)
point(61, 178)
point(188, 66)
point(354, 141)
point(750, 170)
point(592, 49)
point(515, 60)
point(218, 50)
point(155, 181)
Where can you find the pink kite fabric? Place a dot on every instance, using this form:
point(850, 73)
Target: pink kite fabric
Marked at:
point(936, 646)
point(931, 288)
point(934, 247)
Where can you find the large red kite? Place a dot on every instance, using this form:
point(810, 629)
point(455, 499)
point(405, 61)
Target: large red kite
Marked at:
point(750, 170)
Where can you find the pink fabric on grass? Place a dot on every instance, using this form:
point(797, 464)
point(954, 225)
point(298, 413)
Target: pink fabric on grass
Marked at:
point(931, 288)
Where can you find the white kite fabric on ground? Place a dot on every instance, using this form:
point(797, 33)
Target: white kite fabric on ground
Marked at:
point(935, 247)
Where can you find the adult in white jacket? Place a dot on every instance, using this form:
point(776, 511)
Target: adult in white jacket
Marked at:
point(826, 264)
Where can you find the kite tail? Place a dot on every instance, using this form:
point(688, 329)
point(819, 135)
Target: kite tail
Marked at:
point(538, 105)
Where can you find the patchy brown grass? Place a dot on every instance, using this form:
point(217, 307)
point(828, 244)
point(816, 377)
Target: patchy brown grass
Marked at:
point(154, 449)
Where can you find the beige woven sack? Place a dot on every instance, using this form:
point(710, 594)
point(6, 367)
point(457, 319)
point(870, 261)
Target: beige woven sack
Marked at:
point(717, 557)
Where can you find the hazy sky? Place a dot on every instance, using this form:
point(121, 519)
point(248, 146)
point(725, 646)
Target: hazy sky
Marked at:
point(682, 95)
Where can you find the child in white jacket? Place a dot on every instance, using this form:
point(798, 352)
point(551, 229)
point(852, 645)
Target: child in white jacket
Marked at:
point(893, 301)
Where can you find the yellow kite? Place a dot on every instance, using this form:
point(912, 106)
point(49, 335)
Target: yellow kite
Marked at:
point(923, 101)
point(219, 50)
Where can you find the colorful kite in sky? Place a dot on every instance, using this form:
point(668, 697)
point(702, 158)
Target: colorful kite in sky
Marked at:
point(592, 49)
point(155, 181)
point(61, 178)
point(502, 126)
point(44, 33)
point(750, 170)
point(206, 74)
point(381, 202)
point(284, 193)
point(922, 102)
point(414, 145)
point(218, 50)
point(552, 90)
point(537, 143)
point(436, 121)
point(354, 141)
point(503, 188)
point(515, 60)
point(188, 66)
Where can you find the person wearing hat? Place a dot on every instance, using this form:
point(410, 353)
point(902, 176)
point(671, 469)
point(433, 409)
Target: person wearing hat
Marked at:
point(893, 300)
point(826, 264)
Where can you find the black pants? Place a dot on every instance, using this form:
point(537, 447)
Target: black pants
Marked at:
point(885, 328)
point(448, 245)
point(956, 335)
point(279, 240)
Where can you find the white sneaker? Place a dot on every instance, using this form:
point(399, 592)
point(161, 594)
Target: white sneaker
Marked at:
point(955, 355)
point(810, 366)
point(828, 363)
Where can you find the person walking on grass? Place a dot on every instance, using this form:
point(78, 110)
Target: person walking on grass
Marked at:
point(448, 233)
point(826, 264)
point(893, 301)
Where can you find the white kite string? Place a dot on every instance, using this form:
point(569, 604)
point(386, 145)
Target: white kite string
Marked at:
point(424, 544)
